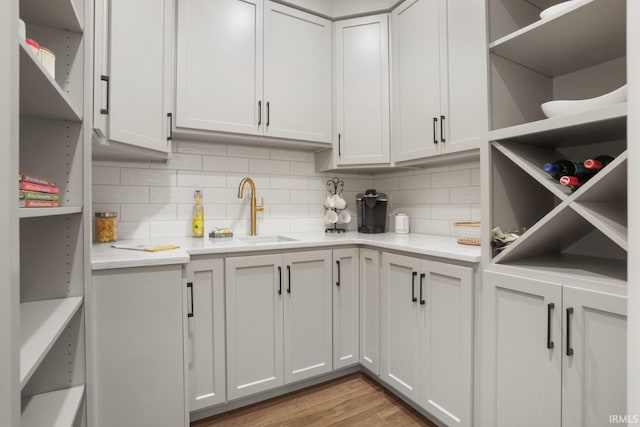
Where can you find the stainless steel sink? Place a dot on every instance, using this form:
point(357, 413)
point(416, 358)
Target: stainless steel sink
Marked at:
point(264, 240)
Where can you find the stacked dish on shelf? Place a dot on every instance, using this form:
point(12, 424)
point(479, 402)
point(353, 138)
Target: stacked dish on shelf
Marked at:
point(565, 62)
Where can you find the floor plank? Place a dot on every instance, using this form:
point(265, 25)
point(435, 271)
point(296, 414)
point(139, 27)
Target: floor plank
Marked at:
point(354, 400)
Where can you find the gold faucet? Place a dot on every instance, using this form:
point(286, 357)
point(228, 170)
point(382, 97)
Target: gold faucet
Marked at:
point(254, 208)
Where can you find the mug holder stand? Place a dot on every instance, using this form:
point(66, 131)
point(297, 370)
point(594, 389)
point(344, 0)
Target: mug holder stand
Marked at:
point(335, 186)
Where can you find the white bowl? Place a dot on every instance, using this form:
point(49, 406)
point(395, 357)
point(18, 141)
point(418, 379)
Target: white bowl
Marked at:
point(565, 107)
point(557, 9)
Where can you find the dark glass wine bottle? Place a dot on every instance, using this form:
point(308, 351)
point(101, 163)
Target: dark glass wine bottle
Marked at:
point(598, 162)
point(575, 181)
point(562, 167)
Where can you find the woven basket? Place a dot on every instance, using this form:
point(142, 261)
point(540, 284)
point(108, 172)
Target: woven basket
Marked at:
point(467, 232)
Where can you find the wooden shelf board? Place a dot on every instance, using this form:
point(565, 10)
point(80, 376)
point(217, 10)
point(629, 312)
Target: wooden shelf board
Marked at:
point(60, 14)
point(531, 160)
point(609, 218)
point(602, 124)
point(42, 212)
point(55, 409)
point(590, 33)
point(40, 95)
point(41, 323)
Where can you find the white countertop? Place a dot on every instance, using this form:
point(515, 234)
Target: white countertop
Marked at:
point(104, 257)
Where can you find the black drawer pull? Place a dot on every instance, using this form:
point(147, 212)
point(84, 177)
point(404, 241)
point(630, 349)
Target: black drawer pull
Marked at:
point(550, 307)
point(422, 276)
point(338, 264)
point(190, 287)
point(569, 349)
point(289, 274)
point(413, 287)
point(280, 274)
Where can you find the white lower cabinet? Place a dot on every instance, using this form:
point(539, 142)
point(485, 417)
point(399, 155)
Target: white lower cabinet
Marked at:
point(278, 320)
point(136, 348)
point(205, 333)
point(346, 313)
point(370, 310)
point(554, 355)
point(426, 334)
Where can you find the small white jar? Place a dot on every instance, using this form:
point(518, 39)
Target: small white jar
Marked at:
point(402, 223)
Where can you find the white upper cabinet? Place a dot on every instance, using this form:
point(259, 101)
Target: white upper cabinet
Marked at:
point(438, 79)
point(219, 69)
point(133, 63)
point(297, 74)
point(255, 68)
point(362, 91)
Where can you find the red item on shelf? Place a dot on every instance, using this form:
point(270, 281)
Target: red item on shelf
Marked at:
point(33, 43)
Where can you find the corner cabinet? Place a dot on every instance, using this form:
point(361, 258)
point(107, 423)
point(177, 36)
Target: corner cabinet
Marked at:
point(133, 79)
point(276, 79)
point(427, 333)
point(136, 363)
point(557, 352)
point(346, 302)
point(205, 333)
point(361, 55)
point(438, 77)
point(278, 307)
point(370, 309)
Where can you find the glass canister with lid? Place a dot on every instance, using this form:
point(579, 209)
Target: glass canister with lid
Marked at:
point(105, 227)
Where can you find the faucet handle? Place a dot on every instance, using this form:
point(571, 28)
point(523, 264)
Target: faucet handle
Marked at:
point(261, 207)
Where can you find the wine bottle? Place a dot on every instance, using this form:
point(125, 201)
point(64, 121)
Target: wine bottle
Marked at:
point(575, 181)
point(197, 220)
point(598, 162)
point(562, 167)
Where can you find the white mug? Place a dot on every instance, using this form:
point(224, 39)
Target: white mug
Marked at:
point(345, 217)
point(340, 203)
point(402, 223)
point(331, 217)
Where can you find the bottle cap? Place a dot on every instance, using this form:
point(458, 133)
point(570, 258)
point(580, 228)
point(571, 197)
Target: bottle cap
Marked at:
point(593, 164)
point(569, 180)
point(550, 167)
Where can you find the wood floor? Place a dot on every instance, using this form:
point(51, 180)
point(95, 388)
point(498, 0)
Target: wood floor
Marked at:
point(354, 400)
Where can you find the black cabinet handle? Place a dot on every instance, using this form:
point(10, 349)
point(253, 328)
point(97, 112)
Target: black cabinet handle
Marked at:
point(413, 287)
point(280, 274)
point(422, 276)
point(569, 349)
point(170, 122)
point(442, 129)
point(289, 274)
point(338, 264)
point(339, 146)
point(550, 307)
point(259, 113)
point(190, 287)
point(435, 137)
point(106, 79)
point(268, 113)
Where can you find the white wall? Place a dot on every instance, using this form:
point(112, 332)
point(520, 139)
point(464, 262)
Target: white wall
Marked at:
point(633, 137)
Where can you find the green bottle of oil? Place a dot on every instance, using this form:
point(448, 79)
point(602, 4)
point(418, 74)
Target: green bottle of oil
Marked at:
point(197, 220)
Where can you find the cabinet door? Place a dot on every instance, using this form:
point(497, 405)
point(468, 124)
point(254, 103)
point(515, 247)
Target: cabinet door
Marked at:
point(401, 326)
point(297, 74)
point(254, 303)
point(101, 67)
point(346, 313)
point(523, 375)
point(446, 298)
point(205, 333)
point(138, 346)
point(362, 90)
point(415, 36)
point(140, 64)
point(594, 375)
point(465, 40)
point(370, 310)
point(219, 81)
point(307, 318)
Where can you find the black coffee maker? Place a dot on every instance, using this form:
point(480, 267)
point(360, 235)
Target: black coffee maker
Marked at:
point(372, 211)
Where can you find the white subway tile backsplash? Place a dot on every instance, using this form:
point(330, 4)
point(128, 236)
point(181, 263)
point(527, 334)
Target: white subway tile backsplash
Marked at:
point(201, 179)
point(290, 182)
point(120, 194)
point(130, 176)
point(106, 175)
point(452, 212)
point(211, 211)
point(306, 224)
point(303, 168)
point(296, 156)
point(269, 167)
point(475, 176)
point(201, 147)
point(431, 196)
point(261, 181)
point(288, 211)
point(133, 230)
point(185, 194)
point(308, 196)
point(234, 150)
point(146, 212)
point(416, 182)
point(431, 226)
point(225, 164)
point(170, 228)
point(180, 161)
point(458, 178)
point(465, 195)
point(272, 196)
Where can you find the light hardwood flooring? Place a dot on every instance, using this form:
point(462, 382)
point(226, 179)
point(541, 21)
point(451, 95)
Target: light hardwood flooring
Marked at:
point(354, 400)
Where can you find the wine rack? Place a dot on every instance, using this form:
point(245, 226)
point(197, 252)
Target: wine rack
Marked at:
point(577, 54)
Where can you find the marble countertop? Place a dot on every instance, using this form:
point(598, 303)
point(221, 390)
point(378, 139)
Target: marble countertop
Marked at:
point(104, 257)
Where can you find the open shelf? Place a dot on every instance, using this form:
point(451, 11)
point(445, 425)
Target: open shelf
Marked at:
point(600, 124)
point(592, 32)
point(42, 212)
point(41, 323)
point(578, 266)
point(55, 409)
point(60, 14)
point(40, 95)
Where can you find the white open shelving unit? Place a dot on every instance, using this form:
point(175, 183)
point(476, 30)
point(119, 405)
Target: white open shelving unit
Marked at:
point(53, 263)
point(576, 54)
